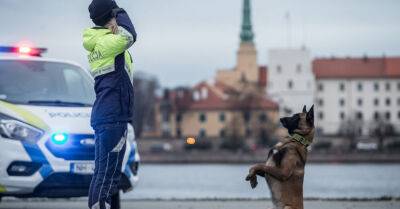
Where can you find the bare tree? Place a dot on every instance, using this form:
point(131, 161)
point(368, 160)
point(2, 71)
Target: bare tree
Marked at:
point(234, 134)
point(181, 102)
point(351, 129)
point(381, 129)
point(145, 87)
point(245, 102)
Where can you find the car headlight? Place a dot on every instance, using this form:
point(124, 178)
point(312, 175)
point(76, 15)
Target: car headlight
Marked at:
point(16, 130)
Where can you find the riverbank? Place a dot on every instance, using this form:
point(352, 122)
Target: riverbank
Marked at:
point(202, 204)
point(224, 157)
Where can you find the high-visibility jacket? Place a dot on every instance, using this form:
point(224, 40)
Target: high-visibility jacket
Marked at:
point(111, 67)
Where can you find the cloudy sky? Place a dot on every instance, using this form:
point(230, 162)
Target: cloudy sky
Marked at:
point(185, 41)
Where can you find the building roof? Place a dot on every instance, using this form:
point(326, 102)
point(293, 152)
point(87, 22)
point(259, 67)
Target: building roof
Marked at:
point(331, 68)
point(210, 101)
point(212, 97)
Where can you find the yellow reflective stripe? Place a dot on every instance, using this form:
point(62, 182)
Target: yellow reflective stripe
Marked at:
point(29, 117)
point(2, 189)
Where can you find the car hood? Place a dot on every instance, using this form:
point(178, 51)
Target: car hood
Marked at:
point(52, 119)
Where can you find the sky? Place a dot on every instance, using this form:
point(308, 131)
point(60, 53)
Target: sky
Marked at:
point(182, 42)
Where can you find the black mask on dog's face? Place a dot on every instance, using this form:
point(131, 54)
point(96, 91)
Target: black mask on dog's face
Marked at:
point(292, 123)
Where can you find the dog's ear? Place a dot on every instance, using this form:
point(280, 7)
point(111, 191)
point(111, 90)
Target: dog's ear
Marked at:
point(310, 116)
point(305, 109)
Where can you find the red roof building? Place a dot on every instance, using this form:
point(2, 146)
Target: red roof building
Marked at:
point(333, 68)
point(357, 92)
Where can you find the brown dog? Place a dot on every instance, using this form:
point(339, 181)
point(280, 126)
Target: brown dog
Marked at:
point(284, 169)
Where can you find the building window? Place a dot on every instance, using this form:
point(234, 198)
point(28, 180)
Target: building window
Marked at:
point(359, 115)
point(202, 117)
point(178, 133)
point(202, 133)
point(376, 102)
point(341, 102)
point(204, 93)
point(398, 101)
point(222, 133)
point(376, 86)
point(342, 116)
point(298, 68)
point(398, 86)
point(387, 115)
point(398, 115)
point(359, 86)
point(360, 102)
point(320, 102)
point(222, 117)
point(290, 84)
point(279, 69)
point(320, 87)
point(248, 132)
point(376, 115)
point(342, 87)
point(321, 115)
point(263, 117)
point(247, 116)
point(388, 86)
point(178, 118)
point(388, 102)
point(196, 96)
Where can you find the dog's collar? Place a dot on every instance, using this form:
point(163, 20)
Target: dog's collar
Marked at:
point(299, 138)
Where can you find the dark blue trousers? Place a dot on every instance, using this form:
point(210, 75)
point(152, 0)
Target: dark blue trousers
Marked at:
point(109, 154)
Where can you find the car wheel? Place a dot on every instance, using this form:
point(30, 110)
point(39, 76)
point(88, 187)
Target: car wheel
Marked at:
point(116, 201)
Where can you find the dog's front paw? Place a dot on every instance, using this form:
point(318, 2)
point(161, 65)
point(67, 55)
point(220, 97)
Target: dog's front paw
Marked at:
point(253, 180)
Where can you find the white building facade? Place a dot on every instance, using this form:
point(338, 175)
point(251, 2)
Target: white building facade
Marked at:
point(361, 91)
point(290, 79)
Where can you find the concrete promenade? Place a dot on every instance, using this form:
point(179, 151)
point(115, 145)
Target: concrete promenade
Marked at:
point(206, 204)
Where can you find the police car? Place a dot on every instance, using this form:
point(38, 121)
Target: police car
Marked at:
point(46, 142)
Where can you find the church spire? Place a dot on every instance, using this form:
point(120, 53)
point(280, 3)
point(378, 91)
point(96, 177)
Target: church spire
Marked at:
point(246, 35)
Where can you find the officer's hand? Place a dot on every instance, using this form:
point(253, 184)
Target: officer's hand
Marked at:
point(113, 26)
point(114, 29)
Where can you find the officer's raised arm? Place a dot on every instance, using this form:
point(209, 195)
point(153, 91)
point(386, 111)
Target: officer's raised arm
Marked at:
point(125, 22)
point(123, 34)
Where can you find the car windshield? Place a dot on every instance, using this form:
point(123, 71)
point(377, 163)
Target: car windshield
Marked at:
point(45, 83)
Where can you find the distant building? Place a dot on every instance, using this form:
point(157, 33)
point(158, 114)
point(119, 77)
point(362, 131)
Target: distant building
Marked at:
point(206, 111)
point(209, 109)
point(290, 79)
point(247, 68)
point(356, 92)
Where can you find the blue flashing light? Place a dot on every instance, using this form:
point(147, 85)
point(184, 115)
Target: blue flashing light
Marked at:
point(59, 138)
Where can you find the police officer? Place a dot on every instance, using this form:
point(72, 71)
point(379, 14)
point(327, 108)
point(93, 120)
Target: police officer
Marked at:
point(111, 66)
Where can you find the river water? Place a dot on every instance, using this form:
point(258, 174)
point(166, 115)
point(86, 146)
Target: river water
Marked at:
point(227, 181)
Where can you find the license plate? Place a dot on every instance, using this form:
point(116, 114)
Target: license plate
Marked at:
point(82, 168)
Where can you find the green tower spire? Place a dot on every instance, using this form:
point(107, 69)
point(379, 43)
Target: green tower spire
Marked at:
point(246, 35)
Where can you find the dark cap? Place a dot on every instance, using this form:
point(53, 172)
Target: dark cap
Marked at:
point(101, 11)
